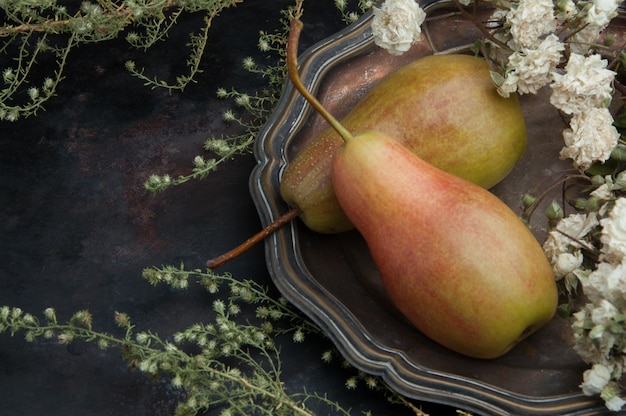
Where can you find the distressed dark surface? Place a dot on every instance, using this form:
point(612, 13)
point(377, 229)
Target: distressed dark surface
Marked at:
point(77, 226)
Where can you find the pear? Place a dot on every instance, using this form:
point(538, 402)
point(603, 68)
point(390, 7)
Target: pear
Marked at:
point(444, 108)
point(455, 260)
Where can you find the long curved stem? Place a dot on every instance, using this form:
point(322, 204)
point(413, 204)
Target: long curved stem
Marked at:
point(255, 239)
point(292, 68)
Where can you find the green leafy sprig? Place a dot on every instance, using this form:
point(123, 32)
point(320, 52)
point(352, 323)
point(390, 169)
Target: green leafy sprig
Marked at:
point(231, 363)
point(45, 29)
point(256, 107)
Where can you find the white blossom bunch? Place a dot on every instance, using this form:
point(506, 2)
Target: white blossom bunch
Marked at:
point(397, 25)
point(537, 44)
point(600, 326)
point(534, 44)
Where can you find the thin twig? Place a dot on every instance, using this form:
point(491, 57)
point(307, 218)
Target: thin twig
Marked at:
point(252, 241)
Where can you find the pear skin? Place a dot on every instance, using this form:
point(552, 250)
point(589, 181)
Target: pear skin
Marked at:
point(455, 260)
point(444, 108)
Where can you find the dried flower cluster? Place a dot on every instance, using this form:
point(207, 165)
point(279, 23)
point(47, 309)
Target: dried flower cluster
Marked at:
point(600, 326)
point(397, 25)
point(532, 44)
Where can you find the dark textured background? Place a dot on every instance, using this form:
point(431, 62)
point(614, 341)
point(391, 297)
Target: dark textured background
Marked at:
point(78, 228)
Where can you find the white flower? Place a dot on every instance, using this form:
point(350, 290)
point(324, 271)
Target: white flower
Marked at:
point(607, 282)
point(595, 379)
point(614, 233)
point(590, 138)
point(581, 42)
point(567, 263)
point(603, 192)
point(531, 20)
point(509, 85)
point(568, 9)
point(602, 11)
point(586, 83)
point(565, 235)
point(532, 67)
point(396, 25)
point(603, 313)
point(590, 350)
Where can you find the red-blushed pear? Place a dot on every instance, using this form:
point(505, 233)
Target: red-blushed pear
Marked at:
point(444, 108)
point(454, 259)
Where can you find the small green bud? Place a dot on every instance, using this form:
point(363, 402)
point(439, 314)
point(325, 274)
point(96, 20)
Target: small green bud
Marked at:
point(122, 319)
point(142, 338)
point(340, 4)
point(48, 84)
point(229, 116)
point(50, 314)
point(12, 115)
point(609, 39)
point(352, 17)
point(298, 336)
point(619, 152)
point(29, 319)
point(219, 306)
point(554, 211)
point(4, 313)
point(497, 78)
point(597, 180)
point(222, 93)
point(242, 100)
point(264, 45)
point(562, 4)
point(609, 391)
point(580, 203)
point(249, 64)
point(199, 162)
point(16, 313)
point(620, 181)
point(528, 200)
point(33, 93)
point(564, 310)
point(596, 331)
point(593, 204)
point(132, 38)
point(8, 75)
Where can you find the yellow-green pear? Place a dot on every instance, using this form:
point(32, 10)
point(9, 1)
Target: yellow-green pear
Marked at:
point(454, 259)
point(444, 108)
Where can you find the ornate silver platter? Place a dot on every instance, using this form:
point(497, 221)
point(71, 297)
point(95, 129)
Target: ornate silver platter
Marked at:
point(333, 280)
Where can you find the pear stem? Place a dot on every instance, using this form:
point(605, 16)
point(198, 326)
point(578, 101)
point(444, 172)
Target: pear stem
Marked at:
point(292, 68)
point(294, 76)
point(250, 242)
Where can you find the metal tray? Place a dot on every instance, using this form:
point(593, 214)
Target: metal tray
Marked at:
point(333, 280)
